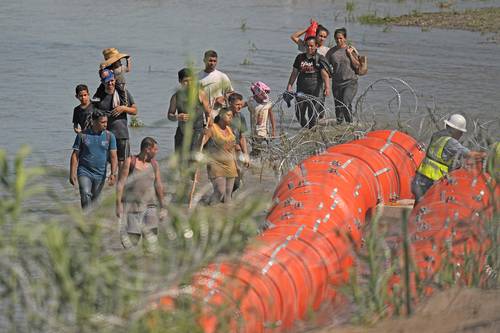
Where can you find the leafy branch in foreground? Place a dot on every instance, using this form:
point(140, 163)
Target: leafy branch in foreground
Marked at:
point(65, 272)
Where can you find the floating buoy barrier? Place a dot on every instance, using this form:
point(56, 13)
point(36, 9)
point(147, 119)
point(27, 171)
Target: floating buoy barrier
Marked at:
point(306, 254)
point(448, 223)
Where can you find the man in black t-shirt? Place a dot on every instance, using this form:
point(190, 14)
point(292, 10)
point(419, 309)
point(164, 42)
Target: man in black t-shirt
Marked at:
point(116, 109)
point(312, 79)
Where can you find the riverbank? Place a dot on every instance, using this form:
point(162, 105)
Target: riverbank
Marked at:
point(483, 20)
point(454, 310)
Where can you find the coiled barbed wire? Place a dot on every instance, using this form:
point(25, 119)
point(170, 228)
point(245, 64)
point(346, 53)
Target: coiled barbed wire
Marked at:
point(387, 102)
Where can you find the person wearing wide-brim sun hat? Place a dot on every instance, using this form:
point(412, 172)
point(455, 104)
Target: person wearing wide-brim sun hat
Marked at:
point(444, 154)
point(113, 61)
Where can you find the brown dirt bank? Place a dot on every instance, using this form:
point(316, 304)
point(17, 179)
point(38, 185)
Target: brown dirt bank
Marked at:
point(455, 310)
point(484, 20)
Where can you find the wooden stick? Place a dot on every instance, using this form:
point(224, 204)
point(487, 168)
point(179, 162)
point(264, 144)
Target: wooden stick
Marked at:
point(195, 178)
point(191, 193)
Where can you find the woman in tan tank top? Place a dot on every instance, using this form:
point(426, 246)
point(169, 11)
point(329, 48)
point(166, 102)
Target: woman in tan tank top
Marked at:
point(220, 147)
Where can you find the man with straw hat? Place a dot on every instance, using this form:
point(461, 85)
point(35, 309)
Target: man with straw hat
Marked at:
point(117, 108)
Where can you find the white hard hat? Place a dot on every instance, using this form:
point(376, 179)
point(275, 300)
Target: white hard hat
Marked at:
point(458, 122)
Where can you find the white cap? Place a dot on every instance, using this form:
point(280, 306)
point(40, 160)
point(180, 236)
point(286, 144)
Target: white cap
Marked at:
point(458, 122)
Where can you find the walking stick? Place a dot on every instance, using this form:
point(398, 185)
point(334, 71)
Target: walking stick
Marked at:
point(195, 178)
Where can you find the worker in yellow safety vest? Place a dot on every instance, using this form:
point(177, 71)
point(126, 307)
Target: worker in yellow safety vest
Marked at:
point(443, 155)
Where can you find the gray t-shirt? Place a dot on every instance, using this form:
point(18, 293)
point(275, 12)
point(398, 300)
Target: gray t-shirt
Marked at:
point(117, 125)
point(239, 125)
point(343, 73)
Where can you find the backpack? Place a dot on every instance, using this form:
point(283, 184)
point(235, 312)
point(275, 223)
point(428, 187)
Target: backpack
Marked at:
point(324, 63)
point(108, 137)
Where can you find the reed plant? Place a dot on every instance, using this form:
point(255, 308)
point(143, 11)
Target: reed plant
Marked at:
point(375, 267)
point(372, 19)
point(350, 7)
point(136, 122)
point(65, 272)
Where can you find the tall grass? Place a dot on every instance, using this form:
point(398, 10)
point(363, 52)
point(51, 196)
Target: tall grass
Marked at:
point(65, 272)
point(350, 7)
point(376, 266)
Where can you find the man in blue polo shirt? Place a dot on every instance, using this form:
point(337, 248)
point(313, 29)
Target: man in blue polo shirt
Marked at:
point(89, 159)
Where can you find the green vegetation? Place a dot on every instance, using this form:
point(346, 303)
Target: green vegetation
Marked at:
point(369, 280)
point(64, 272)
point(373, 19)
point(484, 20)
point(350, 7)
point(135, 122)
point(246, 61)
point(382, 279)
point(252, 48)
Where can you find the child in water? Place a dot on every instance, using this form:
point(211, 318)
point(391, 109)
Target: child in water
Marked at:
point(113, 61)
point(260, 108)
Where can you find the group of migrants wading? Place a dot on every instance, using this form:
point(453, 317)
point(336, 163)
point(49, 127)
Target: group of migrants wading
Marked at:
point(303, 241)
point(209, 116)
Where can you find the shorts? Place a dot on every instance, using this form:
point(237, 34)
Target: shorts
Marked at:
point(122, 149)
point(195, 140)
point(141, 222)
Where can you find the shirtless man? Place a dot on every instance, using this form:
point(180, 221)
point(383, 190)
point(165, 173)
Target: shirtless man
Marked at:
point(139, 192)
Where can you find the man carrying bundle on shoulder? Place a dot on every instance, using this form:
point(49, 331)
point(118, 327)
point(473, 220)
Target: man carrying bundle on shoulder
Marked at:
point(117, 109)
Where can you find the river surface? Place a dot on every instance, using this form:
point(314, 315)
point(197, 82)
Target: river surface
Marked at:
point(47, 47)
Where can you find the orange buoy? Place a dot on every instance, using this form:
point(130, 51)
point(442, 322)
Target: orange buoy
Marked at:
point(398, 156)
point(380, 165)
point(415, 151)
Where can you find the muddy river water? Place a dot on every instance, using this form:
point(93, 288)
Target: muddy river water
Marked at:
point(47, 47)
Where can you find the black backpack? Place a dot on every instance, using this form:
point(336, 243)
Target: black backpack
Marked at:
point(322, 62)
